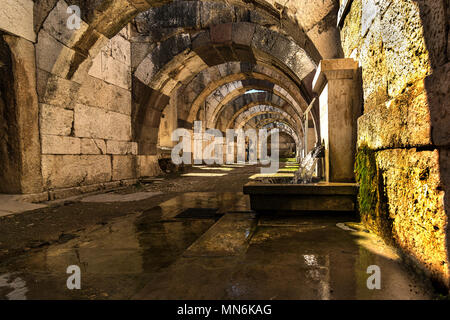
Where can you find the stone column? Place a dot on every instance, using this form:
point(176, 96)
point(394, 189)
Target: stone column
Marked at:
point(336, 83)
point(20, 148)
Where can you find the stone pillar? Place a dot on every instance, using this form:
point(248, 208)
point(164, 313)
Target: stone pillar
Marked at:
point(20, 149)
point(336, 84)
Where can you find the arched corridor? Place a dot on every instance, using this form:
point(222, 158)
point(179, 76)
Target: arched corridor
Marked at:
point(244, 130)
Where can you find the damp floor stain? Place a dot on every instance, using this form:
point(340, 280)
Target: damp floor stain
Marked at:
point(220, 250)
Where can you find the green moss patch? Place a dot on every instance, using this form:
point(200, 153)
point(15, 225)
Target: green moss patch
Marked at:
point(372, 202)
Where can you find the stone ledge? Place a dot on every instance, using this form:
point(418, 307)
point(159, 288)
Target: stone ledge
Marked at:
point(74, 191)
point(334, 69)
point(69, 192)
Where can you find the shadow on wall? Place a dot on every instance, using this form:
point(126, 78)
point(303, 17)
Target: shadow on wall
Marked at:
point(435, 16)
point(9, 175)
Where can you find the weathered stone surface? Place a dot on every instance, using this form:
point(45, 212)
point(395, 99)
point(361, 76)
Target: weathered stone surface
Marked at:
point(322, 35)
point(228, 237)
point(17, 18)
point(56, 25)
point(214, 13)
point(60, 171)
point(108, 18)
point(412, 187)
point(60, 145)
point(221, 33)
point(55, 90)
point(338, 103)
point(369, 12)
point(120, 49)
point(93, 146)
point(400, 42)
point(401, 122)
point(242, 33)
point(167, 51)
point(52, 56)
point(113, 71)
point(434, 20)
point(123, 167)
point(91, 122)
point(444, 163)
point(351, 31)
point(438, 92)
point(20, 145)
point(310, 13)
point(41, 11)
point(97, 93)
point(448, 48)
point(55, 120)
point(121, 147)
point(148, 166)
point(374, 69)
point(407, 57)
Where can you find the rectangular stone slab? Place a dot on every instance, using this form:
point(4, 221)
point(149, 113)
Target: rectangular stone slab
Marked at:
point(229, 236)
point(302, 197)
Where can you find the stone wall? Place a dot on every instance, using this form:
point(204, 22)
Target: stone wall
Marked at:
point(19, 132)
point(403, 135)
point(65, 102)
point(85, 136)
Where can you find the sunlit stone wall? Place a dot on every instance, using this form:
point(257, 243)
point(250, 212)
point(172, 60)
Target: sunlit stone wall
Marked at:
point(404, 133)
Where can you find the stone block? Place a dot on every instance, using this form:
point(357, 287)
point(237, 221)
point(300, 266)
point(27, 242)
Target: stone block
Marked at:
point(415, 202)
point(121, 49)
point(145, 71)
point(63, 171)
point(56, 25)
point(55, 120)
point(264, 39)
point(113, 71)
point(301, 64)
point(55, 90)
point(401, 122)
point(438, 93)
point(351, 31)
point(91, 122)
point(17, 18)
point(60, 145)
point(434, 20)
point(214, 13)
point(93, 146)
point(148, 166)
point(52, 56)
point(323, 39)
point(374, 69)
point(96, 92)
point(121, 147)
point(369, 12)
point(407, 56)
point(147, 147)
point(221, 33)
point(202, 39)
point(123, 167)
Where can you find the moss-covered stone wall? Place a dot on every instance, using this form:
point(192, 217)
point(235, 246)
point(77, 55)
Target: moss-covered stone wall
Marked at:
point(403, 134)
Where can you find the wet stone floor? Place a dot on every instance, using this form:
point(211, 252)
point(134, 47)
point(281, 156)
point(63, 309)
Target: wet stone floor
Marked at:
point(209, 245)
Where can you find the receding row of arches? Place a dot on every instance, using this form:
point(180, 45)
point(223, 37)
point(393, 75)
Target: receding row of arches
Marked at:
point(113, 89)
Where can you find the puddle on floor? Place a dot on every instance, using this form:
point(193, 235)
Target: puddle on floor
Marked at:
point(142, 256)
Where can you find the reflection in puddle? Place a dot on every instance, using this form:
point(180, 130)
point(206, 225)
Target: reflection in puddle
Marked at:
point(204, 174)
point(143, 255)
